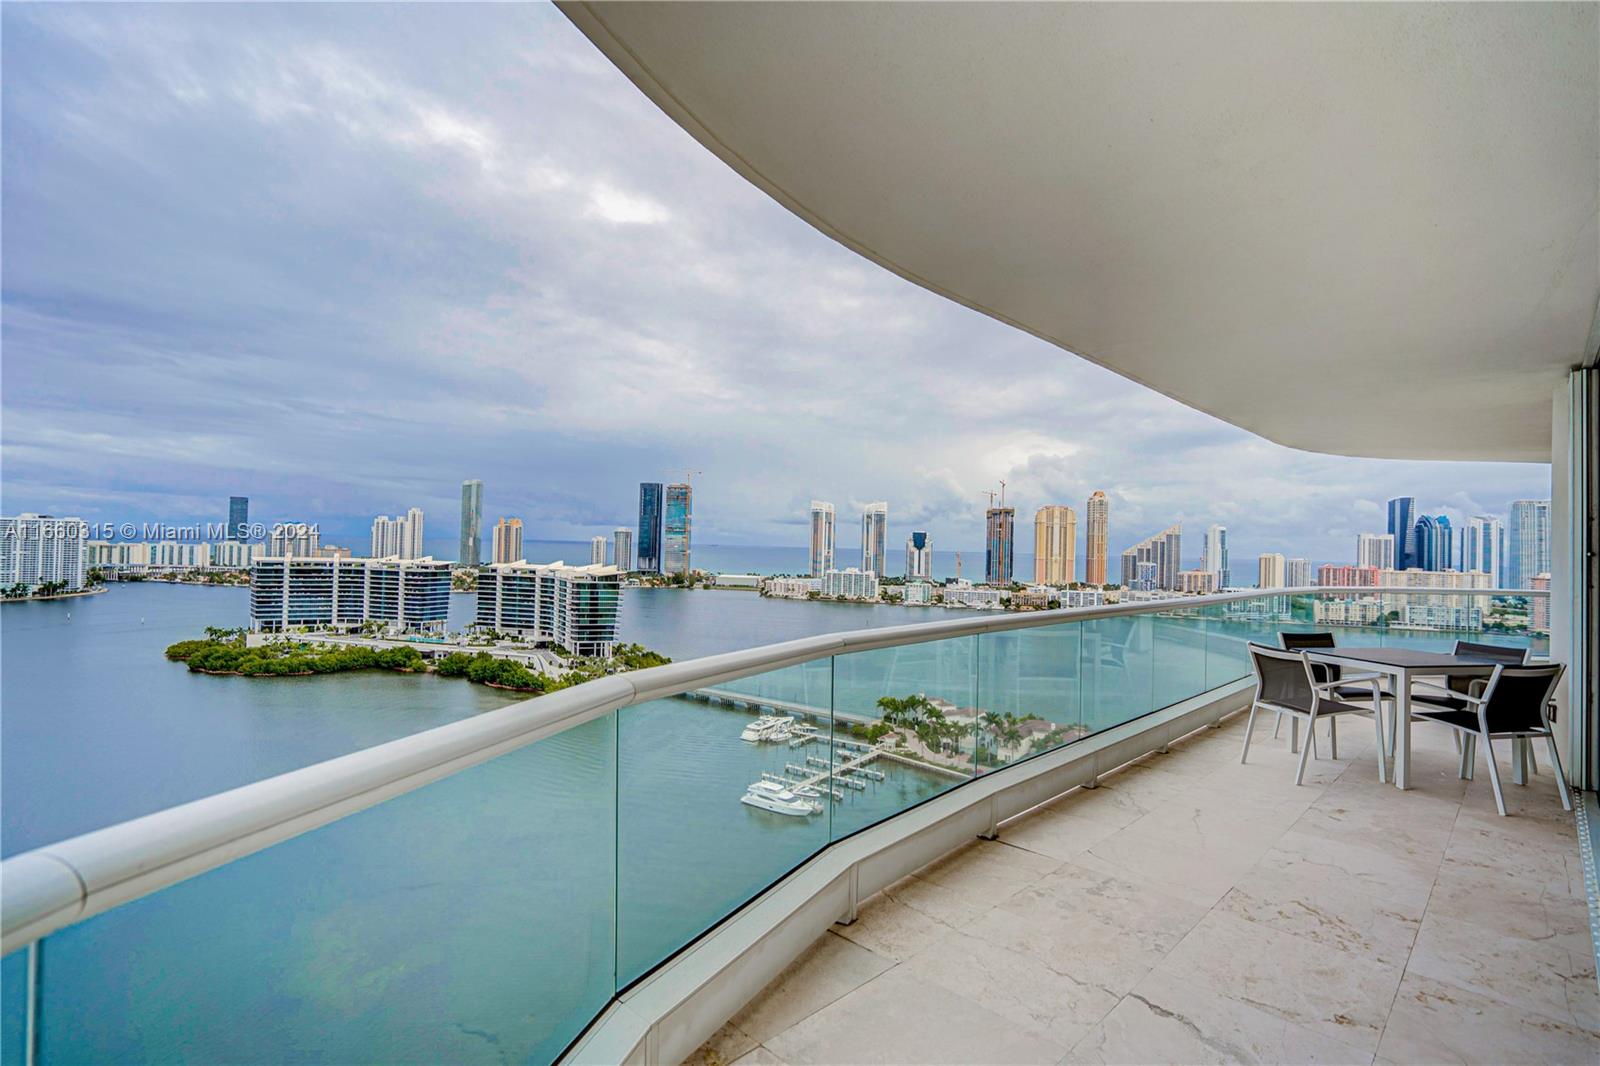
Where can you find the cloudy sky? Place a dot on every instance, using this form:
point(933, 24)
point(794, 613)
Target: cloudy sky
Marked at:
point(340, 258)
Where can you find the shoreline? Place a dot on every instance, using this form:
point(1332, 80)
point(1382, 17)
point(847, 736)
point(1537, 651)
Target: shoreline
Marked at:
point(95, 591)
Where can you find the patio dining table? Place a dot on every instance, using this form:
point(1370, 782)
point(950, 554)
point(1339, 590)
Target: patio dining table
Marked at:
point(1403, 665)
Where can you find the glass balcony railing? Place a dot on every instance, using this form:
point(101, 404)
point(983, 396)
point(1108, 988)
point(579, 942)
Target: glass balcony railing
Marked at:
point(494, 912)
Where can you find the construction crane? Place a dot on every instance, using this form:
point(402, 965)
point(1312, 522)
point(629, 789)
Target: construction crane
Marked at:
point(690, 475)
point(992, 494)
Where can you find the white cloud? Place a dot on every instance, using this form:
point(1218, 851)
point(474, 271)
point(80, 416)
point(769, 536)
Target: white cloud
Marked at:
point(623, 208)
point(343, 257)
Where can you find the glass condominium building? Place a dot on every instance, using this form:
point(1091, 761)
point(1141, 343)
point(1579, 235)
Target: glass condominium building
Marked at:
point(650, 512)
point(999, 553)
point(822, 519)
point(677, 518)
point(238, 517)
point(875, 538)
point(471, 523)
point(1527, 542)
point(1402, 527)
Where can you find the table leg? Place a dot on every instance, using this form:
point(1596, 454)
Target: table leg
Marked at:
point(1519, 760)
point(1402, 740)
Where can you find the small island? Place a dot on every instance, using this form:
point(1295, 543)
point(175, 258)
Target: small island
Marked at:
point(228, 652)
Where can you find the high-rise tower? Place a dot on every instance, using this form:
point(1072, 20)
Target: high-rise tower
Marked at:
point(238, 517)
point(1055, 545)
point(1483, 546)
point(1527, 542)
point(919, 556)
point(1153, 563)
point(874, 538)
point(651, 494)
point(999, 545)
point(622, 548)
point(1097, 519)
point(471, 546)
point(677, 519)
point(1216, 555)
point(821, 537)
point(1402, 527)
point(508, 541)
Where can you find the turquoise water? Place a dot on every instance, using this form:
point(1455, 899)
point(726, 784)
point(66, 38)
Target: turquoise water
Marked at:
point(490, 915)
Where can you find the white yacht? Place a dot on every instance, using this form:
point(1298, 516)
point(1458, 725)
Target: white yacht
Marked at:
point(767, 728)
point(757, 730)
point(770, 796)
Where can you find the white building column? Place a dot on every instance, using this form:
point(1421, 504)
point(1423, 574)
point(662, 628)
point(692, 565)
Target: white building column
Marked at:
point(1575, 570)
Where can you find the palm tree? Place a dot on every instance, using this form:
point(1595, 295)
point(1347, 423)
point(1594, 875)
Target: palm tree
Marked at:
point(908, 711)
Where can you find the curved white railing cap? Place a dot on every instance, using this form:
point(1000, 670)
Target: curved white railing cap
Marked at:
point(675, 678)
point(51, 887)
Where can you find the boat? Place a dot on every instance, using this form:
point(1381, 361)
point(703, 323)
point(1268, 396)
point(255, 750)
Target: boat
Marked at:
point(758, 730)
point(767, 728)
point(770, 796)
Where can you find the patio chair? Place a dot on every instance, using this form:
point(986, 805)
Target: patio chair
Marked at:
point(1294, 641)
point(1286, 685)
point(1434, 697)
point(1513, 702)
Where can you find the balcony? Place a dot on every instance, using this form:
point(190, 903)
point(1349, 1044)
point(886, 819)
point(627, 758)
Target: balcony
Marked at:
point(1191, 909)
point(601, 874)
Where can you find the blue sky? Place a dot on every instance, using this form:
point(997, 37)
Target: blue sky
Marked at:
point(339, 258)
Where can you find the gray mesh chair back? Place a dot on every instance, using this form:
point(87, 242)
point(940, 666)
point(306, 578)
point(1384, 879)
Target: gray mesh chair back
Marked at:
point(1497, 652)
point(1517, 696)
point(1295, 641)
point(1298, 641)
point(1281, 677)
point(1494, 652)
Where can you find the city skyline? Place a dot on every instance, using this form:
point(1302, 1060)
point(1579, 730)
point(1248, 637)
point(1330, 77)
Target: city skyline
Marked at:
point(501, 291)
point(1483, 545)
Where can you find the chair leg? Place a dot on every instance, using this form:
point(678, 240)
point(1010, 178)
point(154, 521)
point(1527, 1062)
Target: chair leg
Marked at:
point(1394, 724)
point(1494, 773)
point(1249, 728)
point(1311, 734)
point(1561, 778)
point(1377, 727)
point(1527, 747)
point(1277, 724)
point(1333, 737)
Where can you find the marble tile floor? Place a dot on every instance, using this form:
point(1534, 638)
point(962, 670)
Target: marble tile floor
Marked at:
point(1195, 910)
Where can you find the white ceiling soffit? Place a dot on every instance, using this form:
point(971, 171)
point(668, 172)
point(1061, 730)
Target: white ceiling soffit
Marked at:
point(1365, 229)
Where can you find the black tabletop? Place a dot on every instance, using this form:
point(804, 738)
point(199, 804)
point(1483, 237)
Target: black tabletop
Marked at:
point(1410, 659)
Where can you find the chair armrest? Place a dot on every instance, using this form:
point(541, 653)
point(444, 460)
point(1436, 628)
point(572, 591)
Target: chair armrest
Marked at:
point(1351, 679)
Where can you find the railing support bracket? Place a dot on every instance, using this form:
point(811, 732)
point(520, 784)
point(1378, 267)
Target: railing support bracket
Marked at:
point(849, 916)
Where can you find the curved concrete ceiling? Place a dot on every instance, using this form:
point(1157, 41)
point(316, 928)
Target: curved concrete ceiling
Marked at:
point(1365, 229)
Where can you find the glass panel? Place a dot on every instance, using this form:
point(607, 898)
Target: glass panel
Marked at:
point(1433, 621)
point(1028, 697)
point(1228, 630)
point(14, 1006)
point(917, 705)
point(1118, 674)
point(1179, 638)
point(709, 809)
point(469, 919)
